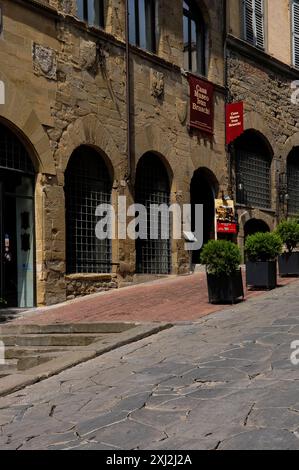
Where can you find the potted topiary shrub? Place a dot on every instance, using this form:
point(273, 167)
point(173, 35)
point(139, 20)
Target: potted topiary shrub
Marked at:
point(262, 250)
point(288, 262)
point(222, 259)
point(3, 303)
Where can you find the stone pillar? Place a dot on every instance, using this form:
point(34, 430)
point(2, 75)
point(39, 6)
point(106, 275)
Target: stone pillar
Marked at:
point(50, 240)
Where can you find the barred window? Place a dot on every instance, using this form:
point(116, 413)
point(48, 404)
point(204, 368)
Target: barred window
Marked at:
point(194, 38)
point(91, 11)
point(152, 187)
point(293, 182)
point(253, 171)
point(87, 185)
point(142, 24)
point(254, 22)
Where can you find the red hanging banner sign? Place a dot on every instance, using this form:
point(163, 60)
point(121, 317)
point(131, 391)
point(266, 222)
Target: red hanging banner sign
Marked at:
point(234, 121)
point(201, 104)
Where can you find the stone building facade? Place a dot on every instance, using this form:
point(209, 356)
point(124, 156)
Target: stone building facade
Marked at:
point(64, 139)
point(262, 71)
point(87, 116)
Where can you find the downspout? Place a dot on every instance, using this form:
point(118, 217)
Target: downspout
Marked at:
point(228, 148)
point(128, 94)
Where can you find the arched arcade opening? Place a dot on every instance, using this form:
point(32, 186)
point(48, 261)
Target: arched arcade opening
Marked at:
point(17, 222)
point(203, 190)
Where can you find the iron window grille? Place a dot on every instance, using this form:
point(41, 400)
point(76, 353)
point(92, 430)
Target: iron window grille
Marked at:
point(142, 24)
point(194, 38)
point(152, 187)
point(293, 183)
point(87, 185)
point(253, 179)
point(91, 11)
point(13, 155)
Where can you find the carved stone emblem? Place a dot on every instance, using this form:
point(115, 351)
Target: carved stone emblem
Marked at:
point(181, 108)
point(44, 61)
point(157, 84)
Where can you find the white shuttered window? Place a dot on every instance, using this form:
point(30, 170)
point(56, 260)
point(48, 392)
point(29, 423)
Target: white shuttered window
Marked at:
point(295, 32)
point(254, 22)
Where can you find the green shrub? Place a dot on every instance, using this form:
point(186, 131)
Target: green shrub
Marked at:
point(221, 257)
point(263, 246)
point(288, 230)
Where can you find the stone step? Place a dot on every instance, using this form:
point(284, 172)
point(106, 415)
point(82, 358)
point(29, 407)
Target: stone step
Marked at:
point(25, 363)
point(90, 328)
point(76, 339)
point(16, 352)
point(9, 366)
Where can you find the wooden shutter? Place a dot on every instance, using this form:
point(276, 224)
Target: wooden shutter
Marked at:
point(259, 23)
point(295, 32)
point(253, 20)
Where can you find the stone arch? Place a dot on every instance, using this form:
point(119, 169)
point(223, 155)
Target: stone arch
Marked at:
point(291, 143)
point(245, 216)
point(255, 225)
point(150, 139)
point(89, 131)
point(255, 122)
point(210, 177)
point(18, 114)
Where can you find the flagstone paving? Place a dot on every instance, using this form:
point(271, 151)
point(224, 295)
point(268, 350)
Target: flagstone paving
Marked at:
point(225, 382)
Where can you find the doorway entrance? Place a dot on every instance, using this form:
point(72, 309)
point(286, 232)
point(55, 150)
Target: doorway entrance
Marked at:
point(203, 192)
point(255, 226)
point(16, 223)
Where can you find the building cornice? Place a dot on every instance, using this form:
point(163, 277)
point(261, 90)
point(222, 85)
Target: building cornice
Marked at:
point(261, 58)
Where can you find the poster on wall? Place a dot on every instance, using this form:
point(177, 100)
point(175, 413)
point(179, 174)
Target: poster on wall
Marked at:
point(225, 216)
point(201, 104)
point(234, 121)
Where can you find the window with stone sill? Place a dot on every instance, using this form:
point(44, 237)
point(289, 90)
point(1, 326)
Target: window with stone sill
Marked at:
point(194, 38)
point(142, 24)
point(91, 11)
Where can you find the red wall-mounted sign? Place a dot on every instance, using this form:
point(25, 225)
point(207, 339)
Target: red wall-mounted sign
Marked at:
point(234, 121)
point(226, 228)
point(201, 104)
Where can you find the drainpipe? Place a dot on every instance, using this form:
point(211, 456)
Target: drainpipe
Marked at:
point(229, 148)
point(128, 93)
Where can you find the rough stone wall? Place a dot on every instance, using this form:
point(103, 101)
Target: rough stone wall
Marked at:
point(270, 111)
point(266, 93)
point(75, 84)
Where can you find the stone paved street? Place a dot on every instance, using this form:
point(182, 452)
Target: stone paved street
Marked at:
point(225, 382)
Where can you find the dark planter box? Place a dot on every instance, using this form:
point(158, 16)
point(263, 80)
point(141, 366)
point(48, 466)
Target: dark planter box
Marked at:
point(225, 289)
point(289, 264)
point(261, 274)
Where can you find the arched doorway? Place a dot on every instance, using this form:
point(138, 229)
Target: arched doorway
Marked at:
point(202, 191)
point(17, 182)
point(293, 182)
point(253, 226)
point(152, 186)
point(253, 157)
point(88, 184)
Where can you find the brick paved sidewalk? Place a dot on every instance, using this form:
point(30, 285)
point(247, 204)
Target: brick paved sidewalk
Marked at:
point(169, 300)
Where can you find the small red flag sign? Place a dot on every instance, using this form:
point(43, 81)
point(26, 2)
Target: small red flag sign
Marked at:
point(234, 121)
